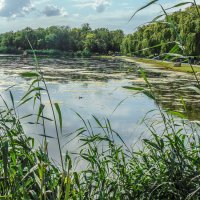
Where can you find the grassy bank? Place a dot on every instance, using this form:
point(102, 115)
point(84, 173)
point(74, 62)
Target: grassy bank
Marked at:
point(169, 65)
point(45, 52)
point(9, 50)
point(156, 63)
point(55, 52)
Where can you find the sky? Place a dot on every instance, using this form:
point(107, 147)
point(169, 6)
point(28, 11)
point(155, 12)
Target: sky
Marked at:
point(112, 14)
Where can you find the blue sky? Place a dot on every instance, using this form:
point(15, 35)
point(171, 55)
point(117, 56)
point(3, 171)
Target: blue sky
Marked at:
point(112, 14)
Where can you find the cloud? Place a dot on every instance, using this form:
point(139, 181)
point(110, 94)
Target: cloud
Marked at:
point(13, 9)
point(52, 10)
point(101, 5)
point(20, 8)
point(98, 5)
point(76, 15)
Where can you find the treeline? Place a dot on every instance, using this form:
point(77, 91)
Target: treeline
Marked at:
point(158, 38)
point(149, 40)
point(63, 38)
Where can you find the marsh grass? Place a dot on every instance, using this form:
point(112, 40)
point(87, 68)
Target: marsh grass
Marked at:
point(167, 165)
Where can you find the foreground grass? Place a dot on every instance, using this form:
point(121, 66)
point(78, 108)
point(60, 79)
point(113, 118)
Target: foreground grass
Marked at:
point(166, 167)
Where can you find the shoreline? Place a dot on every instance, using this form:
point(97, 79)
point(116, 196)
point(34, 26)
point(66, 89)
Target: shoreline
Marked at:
point(157, 64)
point(165, 65)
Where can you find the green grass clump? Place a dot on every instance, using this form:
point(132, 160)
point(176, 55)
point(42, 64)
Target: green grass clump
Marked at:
point(166, 167)
point(55, 52)
point(48, 52)
point(84, 53)
point(9, 50)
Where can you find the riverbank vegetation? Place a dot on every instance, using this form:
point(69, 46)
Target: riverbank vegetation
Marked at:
point(63, 39)
point(163, 64)
point(167, 65)
point(156, 39)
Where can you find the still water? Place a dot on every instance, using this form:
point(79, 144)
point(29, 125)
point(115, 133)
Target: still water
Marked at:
point(94, 87)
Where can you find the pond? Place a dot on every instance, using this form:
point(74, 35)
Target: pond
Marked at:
point(94, 87)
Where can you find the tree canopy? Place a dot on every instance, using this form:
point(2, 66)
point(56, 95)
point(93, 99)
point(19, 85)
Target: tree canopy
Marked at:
point(152, 39)
point(63, 38)
point(159, 37)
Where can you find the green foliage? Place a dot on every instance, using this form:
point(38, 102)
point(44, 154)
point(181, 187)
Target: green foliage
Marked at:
point(167, 167)
point(158, 38)
point(8, 50)
point(58, 39)
point(50, 52)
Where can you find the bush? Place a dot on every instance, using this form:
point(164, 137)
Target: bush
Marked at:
point(86, 53)
point(50, 52)
point(9, 50)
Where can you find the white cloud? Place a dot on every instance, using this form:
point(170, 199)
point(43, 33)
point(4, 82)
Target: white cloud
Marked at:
point(101, 5)
point(52, 10)
point(98, 5)
point(76, 15)
point(20, 8)
point(12, 9)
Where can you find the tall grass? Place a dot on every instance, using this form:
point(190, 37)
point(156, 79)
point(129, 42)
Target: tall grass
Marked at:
point(167, 165)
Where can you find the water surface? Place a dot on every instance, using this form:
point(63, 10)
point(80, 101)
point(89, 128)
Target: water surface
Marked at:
point(95, 87)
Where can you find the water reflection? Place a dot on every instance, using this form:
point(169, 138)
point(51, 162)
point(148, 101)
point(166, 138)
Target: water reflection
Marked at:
point(171, 89)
